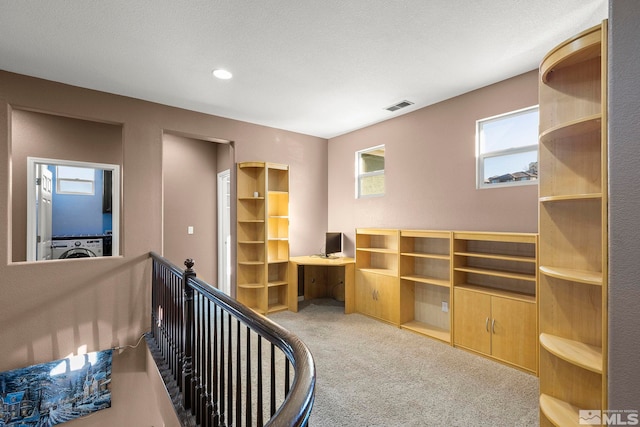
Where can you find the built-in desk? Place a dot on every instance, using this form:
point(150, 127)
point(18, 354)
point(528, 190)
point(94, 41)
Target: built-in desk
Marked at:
point(330, 271)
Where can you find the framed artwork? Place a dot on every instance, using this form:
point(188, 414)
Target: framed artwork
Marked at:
point(56, 392)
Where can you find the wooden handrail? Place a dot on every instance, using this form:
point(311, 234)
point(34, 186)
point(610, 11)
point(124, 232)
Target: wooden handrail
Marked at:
point(203, 351)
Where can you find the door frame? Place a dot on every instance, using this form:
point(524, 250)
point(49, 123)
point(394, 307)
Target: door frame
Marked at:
point(224, 246)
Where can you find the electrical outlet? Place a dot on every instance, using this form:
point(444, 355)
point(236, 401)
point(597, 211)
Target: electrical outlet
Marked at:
point(190, 229)
point(445, 306)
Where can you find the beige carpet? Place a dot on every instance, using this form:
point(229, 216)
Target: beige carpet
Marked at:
point(373, 374)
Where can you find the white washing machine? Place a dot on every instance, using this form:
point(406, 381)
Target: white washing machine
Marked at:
point(76, 248)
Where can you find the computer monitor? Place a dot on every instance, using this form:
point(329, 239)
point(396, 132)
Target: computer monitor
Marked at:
point(333, 243)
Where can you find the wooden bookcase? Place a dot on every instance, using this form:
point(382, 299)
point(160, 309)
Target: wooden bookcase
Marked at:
point(377, 290)
point(494, 296)
point(263, 236)
point(475, 290)
point(573, 228)
point(425, 285)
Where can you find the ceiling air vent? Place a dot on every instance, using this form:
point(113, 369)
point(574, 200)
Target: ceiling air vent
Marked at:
point(399, 105)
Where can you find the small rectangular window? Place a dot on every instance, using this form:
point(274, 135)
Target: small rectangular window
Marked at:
point(370, 172)
point(507, 149)
point(75, 180)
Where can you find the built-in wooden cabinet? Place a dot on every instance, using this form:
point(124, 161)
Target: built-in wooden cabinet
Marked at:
point(425, 285)
point(497, 324)
point(495, 285)
point(262, 235)
point(475, 290)
point(377, 290)
point(573, 228)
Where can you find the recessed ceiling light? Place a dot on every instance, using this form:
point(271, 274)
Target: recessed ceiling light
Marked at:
point(222, 74)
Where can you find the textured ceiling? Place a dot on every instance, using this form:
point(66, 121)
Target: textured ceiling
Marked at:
point(321, 68)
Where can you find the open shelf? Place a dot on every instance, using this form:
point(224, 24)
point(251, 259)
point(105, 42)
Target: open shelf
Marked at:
point(382, 271)
point(428, 330)
point(499, 292)
point(583, 355)
point(573, 275)
point(427, 280)
point(573, 128)
point(425, 285)
point(250, 285)
point(560, 413)
point(516, 258)
point(569, 197)
point(378, 250)
point(425, 255)
point(497, 273)
point(583, 47)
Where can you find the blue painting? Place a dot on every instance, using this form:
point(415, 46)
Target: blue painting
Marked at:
point(56, 392)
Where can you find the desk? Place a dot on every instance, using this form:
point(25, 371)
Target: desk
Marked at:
point(345, 267)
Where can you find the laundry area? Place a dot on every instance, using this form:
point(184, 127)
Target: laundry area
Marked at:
point(81, 212)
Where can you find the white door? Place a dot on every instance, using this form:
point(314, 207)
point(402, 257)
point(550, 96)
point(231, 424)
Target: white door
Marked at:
point(44, 185)
point(224, 231)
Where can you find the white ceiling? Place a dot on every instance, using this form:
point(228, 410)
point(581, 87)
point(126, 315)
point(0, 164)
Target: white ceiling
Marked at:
point(322, 68)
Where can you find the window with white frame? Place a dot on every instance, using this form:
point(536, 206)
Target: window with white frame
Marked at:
point(507, 149)
point(370, 172)
point(75, 180)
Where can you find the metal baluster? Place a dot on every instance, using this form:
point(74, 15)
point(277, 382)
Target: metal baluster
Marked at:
point(248, 405)
point(229, 371)
point(214, 366)
point(287, 365)
point(197, 350)
point(174, 306)
point(273, 379)
point(238, 375)
point(222, 372)
point(259, 415)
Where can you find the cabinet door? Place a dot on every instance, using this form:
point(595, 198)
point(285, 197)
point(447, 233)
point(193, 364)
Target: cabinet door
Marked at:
point(377, 295)
point(514, 332)
point(365, 295)
point(472, 320)
point(388, 298)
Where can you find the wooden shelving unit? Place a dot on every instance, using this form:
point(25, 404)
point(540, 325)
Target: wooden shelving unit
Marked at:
point(494, 296)
point(573, 228)
point(377, 288)
point(476, 290)
point(425, 285)
point(263, 236)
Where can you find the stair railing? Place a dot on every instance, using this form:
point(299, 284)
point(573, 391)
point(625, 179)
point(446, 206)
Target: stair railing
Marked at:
point(223, 364)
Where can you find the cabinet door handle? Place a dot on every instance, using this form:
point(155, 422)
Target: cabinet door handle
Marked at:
point(493, 326)
point(486, 324)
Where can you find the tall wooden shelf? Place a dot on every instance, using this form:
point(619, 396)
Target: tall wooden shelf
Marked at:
point(495, 294)
point(425, 285)
point(573, 228)
point(263, 235)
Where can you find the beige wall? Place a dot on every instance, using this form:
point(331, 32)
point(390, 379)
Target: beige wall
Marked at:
point(430, 169)
point(50, 309)
point(190, 193)
point(54, 137)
